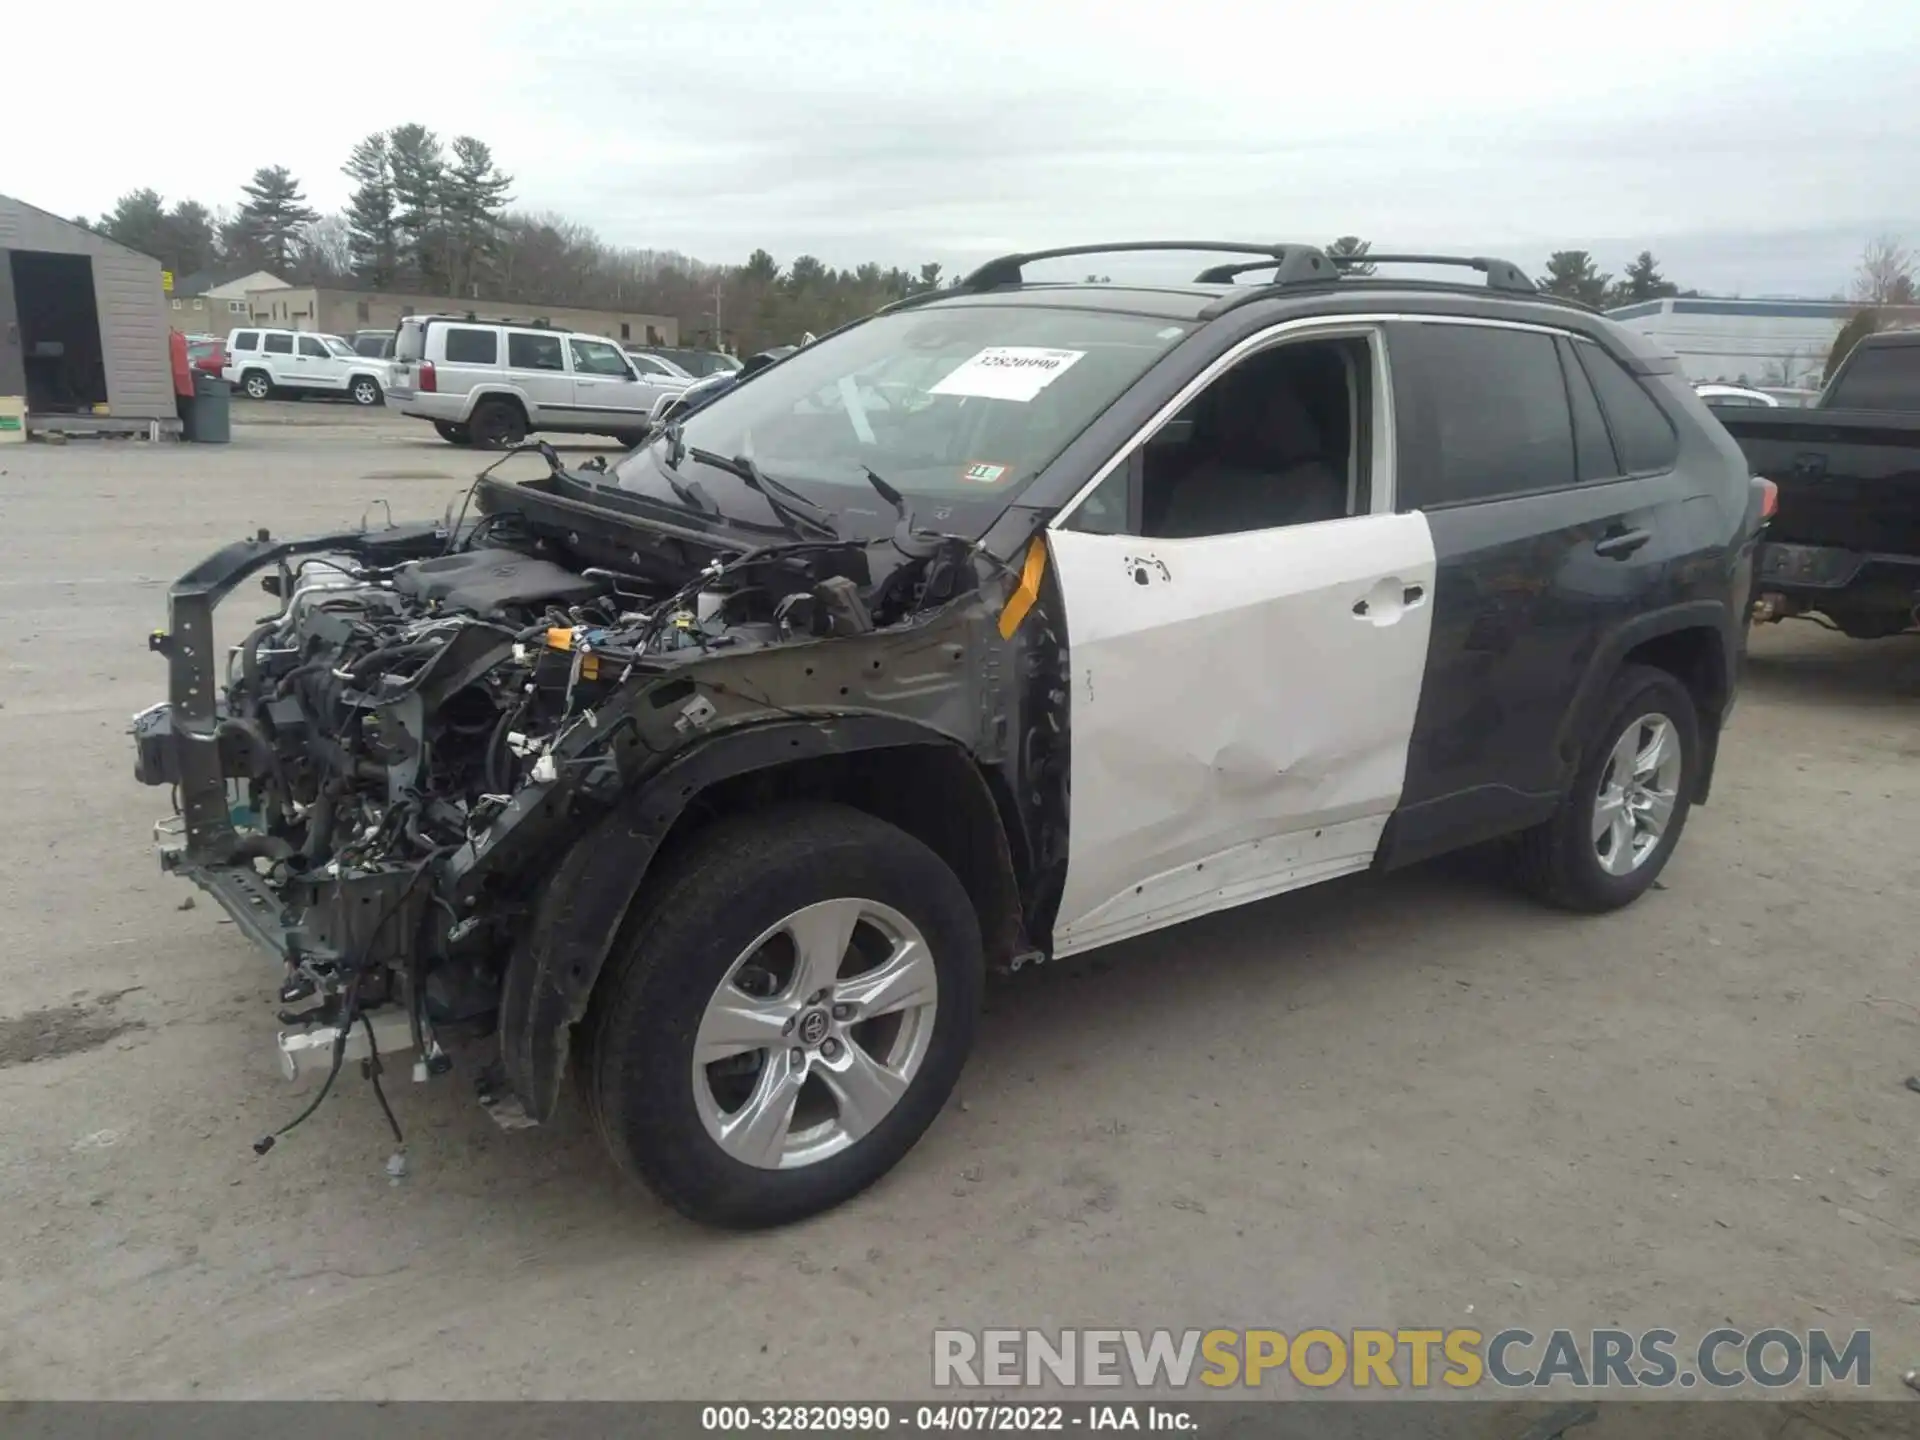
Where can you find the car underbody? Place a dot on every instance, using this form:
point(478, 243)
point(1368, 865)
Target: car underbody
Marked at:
point(431, 781)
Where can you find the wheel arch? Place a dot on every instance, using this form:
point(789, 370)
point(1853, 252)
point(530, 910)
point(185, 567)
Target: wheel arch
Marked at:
point(1692, 643)
point(482, 393)
point(897, 770)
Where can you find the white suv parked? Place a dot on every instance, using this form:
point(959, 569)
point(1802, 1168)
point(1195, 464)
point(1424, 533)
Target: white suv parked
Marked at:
point(265, 363)
point(492, 383)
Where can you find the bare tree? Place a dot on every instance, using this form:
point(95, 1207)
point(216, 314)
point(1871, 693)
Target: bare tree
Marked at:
point(1886, 275)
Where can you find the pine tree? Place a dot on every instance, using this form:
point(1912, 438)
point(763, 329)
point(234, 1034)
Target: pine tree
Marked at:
point(138, 221)
point(1642, 280)
point(473, 197)
point(419, 170)
point(1352, 245)
point(1572, 273)
point(268, 228)
point(374, 243)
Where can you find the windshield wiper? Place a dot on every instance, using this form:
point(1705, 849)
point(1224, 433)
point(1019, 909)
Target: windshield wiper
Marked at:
point(789, 504)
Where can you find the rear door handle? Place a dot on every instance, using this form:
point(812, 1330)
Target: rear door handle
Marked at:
point(1624, 543)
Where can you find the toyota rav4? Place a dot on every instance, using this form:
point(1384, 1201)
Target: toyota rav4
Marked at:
point(1013, 621)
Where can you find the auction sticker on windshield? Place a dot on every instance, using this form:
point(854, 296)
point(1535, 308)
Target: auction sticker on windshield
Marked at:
point(983, 474)
point(1008, 372)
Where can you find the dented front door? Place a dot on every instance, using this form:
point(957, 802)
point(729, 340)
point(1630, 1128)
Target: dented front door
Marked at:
point(1241, 712)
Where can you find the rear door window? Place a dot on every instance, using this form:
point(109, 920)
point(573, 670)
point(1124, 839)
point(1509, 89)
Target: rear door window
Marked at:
point(472, 347)
point(535, 352)
point(278, 345)
point(1485, 413)
point(1643, 437)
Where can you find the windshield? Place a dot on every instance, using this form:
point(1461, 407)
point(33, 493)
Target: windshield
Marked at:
point(951, 403)
point(340, 347)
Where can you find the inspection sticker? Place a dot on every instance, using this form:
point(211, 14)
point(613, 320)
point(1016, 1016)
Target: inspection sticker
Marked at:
point(1008, 372)
point(983, 474)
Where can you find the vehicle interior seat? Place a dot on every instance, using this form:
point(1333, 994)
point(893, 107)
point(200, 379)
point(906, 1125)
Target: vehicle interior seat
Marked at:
point(1259, 460)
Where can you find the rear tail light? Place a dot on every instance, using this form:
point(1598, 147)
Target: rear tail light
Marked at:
point(1769, 496)
point(426, 384)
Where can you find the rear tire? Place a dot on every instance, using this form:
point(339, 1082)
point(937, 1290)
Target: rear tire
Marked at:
point(453, 434)
point(365, 391)
point(860, 1092)
point(497, 425)
point(1617, 827)
point(257, 385)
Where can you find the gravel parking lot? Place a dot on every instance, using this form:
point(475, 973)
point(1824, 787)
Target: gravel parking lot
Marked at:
point(1410, 1101)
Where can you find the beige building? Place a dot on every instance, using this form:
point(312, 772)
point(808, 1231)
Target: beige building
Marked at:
point(212, 302)
point(341, 312)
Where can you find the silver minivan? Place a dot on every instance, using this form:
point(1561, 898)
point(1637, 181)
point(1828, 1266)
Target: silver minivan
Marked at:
point(493, 383)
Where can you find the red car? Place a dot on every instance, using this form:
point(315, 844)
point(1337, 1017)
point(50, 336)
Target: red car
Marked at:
point(208, 353)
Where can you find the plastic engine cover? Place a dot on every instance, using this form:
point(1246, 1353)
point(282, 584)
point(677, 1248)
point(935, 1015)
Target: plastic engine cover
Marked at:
point(490, 583)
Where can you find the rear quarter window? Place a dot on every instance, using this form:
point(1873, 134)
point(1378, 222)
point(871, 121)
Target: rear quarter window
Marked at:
point(1642, 435)
point(472, 347)
point(246, 340)
point(1484, 413)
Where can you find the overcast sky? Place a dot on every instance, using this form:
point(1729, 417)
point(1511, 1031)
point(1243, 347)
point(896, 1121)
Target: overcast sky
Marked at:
point(1754, 146)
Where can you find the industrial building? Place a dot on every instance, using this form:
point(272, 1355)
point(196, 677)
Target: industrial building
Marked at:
point(83, 328)
point(1778, 343)
point(332, 311)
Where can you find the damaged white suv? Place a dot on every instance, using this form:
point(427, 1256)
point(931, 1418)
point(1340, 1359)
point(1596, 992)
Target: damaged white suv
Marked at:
point(1014, 621)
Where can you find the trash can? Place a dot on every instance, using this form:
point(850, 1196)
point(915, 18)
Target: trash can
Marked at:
point(210, 421)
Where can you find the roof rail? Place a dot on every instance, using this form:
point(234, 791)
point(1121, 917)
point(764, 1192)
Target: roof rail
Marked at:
point(1294, 263)
point(1501, 274)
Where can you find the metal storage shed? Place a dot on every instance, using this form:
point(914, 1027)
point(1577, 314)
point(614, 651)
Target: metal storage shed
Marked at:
point(83, 327)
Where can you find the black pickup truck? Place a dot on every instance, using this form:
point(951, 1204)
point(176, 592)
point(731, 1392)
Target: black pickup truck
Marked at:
point(1845, 539)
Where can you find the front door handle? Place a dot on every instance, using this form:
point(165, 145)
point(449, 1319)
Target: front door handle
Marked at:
point(1621, 544)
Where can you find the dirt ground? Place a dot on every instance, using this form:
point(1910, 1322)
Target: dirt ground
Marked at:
point(1410, 1101)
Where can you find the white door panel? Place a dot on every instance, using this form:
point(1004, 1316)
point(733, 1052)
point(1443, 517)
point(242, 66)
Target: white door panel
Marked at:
point(1241, 711)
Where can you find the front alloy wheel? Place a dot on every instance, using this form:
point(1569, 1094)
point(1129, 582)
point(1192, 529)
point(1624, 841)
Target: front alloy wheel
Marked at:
point(787, 1009)
point(815, 1034)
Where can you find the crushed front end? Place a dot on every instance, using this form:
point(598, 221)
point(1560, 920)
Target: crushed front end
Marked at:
point(377, 778)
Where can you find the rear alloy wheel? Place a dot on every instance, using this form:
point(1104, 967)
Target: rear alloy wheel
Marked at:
point(788, 1010)
point(497, 425)
point(364, 390)
point(1617, 827)
point(258, 385)
point(453, 434)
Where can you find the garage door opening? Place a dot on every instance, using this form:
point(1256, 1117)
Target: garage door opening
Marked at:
point(60, 349)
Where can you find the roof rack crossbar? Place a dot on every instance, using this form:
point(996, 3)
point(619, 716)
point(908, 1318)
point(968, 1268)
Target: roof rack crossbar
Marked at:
point(1295, 263)
point(1501, 274)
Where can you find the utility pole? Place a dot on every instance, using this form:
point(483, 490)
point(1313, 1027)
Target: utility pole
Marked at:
point(719, 338)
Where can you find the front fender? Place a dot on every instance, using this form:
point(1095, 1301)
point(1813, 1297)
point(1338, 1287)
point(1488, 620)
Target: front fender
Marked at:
point(558, 958)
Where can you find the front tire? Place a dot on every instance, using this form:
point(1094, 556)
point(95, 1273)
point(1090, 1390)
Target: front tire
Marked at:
point(787, 1009)
point(365, 391)
point(1616, 829)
